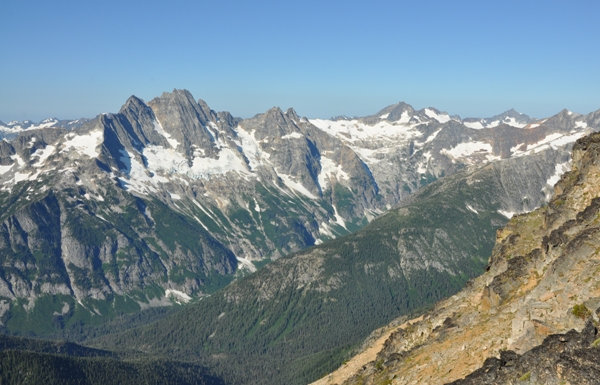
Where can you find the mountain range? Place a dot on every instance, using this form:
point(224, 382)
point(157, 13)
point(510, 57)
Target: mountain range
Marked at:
point(355, 220)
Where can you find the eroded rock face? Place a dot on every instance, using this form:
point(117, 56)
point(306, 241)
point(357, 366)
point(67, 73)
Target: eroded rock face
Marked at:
point(542, 280)
point(571, 358)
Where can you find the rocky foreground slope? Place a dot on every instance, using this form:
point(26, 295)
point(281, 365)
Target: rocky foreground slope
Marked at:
point(542, 279)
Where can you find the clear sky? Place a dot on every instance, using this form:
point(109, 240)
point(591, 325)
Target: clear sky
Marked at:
point(78, 58)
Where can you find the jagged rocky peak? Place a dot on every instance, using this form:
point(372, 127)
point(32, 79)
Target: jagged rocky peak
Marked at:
point(593, 118)
point(139, 122)
point(124, 134)
point(512, 113)
point(6, 151)
point(274, 124)
point(400, 111)
point(190, 123)
point(133, 104)
point(565, 120)
point(291, 113)
point(226, 119)
point(207, 112)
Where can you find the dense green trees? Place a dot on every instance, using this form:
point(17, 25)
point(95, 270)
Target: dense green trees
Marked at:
point(27, 361)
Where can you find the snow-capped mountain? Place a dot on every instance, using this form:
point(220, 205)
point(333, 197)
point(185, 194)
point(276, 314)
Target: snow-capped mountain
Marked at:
point(11, 129)
point(169, 198)
point(511, 118)
point(404, 148)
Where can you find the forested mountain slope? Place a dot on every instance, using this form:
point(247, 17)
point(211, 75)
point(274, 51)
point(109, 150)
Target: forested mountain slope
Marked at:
point(301, 315)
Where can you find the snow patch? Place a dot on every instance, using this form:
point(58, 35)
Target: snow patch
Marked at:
point(293, 135)
point(493, 124)
point(474, 125)
point(355, 130)
point(18, 159)
point(84, 144)
point(554, 141)
point(508, 214)
point(371, 142)
point(326, 230)
point(328, 169)
point(251, 148)
point(299, 187)
point(470, 208)
point(424, 163)
point(205, 211)
point(246, 264)
point(19, 177)
point(559, 170)
point(338, 218)
point(177, 296)
point(442, 118)
point(513, 122)
point(16, 126)
point(368, 155)
point(384, 116)
point(43, 154)
point(462, 150)
point(138, 180)
point(159, 128)
point(433, 136)
point(170, 161)
point(5, 169)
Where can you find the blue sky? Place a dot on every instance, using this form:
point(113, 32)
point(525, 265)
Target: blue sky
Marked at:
point(73, 59)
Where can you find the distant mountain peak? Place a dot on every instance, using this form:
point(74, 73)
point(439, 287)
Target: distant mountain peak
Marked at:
point(400, 111)
point(180, 98)
point(395, 111)
point(133, 103)
point(567, 112)
point(514, 114)
point(274, 110)
point(292, 113)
